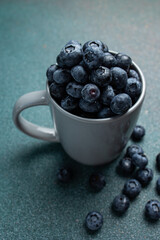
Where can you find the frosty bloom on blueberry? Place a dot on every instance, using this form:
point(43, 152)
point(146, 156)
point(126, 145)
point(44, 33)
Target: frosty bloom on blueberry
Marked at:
point(92, 82)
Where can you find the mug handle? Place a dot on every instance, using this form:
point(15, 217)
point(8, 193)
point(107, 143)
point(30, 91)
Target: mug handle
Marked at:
point(30, 100)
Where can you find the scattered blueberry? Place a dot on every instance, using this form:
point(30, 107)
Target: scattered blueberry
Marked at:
point(62, 76)
point(120, 204)
point(92, 57)
point(50, 72)
point(144, 176)
point(133, 74)
point(90, 93)
point(126, 166)
point(132, 188)
point(57, 91)
point(140, 160)
point(133, 87)
point(134, 149)
point(105, 113)
point(107, 95)
point(158, 161)
point(158, 185)
point(64, 175)
point(69, 103)
point(138, 133)
point(94, 221)
point(121, 103)
point(70, 55)
point(74, 89)
point(109, 60)
point(152, 209)
point(101, 76)
point(97, 181)
point(79, 74)
point(119, 77)
point(123, 61)
point(90, 107)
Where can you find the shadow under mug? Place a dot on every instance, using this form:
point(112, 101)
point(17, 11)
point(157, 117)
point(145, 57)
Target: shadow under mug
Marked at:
point(88, 141)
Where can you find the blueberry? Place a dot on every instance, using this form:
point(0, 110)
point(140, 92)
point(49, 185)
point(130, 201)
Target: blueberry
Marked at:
point(107, 95)
point(90, 107)
point(158, 185)
point(70, 55)
point(97, 181)
point(158, 161)
point(57, 91)
point(69, 103)
point(144, 176)
point(126, 166)
point(133, 87)
point(62, 76)
point(64, 175)
point(50, 72)
point(109, 60)
point(140, 160)
point(121, 103)
point(119, 77)
point(74, 89)
point(133, 74)
point(132, 188)
point(101, 76)
point(152, 209)
point(90, 92)
point(96, 44)
point(94, 221)
point(79, 74)
point(134, 149)
point(105, 112)
point(92, 57)
point(120, 204)
point(138, 133)
point(123, 61)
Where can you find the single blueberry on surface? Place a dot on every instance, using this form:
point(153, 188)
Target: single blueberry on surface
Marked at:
point(123, 61)
point(133, 87)
point(50, 72)
point(109, 60)
point(92, 57)
point(62, 76)
point(107, 95)
point(119, 77)
point(94, 221)
point(126, 166)
point(120, 204)
point(158, 161)
point(74, 89)
point(138, 133)
point(64, 175)
point(57, 91)
point(90, 92)
point(121, 103)
point(69, 103)
point(70, 55)
point(97, 181)
point(79, 74)
point(134, 149)
point(96, 44)
point(158, 185)
point(133, 74)
point(101, 76)
point(144, 176)
point(132, 188)
point(90, 107)
point(140, 160)
point(152, 209)
point(105, 112)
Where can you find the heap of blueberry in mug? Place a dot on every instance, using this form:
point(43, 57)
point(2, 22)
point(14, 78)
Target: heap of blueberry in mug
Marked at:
point(89, 81)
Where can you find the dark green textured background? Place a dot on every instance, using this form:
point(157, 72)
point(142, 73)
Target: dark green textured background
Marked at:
point(32, 204)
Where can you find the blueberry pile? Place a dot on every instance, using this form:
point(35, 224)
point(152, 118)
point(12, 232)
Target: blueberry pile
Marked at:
point(89, 81)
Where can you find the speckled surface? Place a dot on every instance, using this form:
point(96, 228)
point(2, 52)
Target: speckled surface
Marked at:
point(32, 204)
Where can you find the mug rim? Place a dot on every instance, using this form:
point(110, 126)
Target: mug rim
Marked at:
point(111, 119)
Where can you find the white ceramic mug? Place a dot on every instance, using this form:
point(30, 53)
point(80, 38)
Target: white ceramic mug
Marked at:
point(88, 141)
